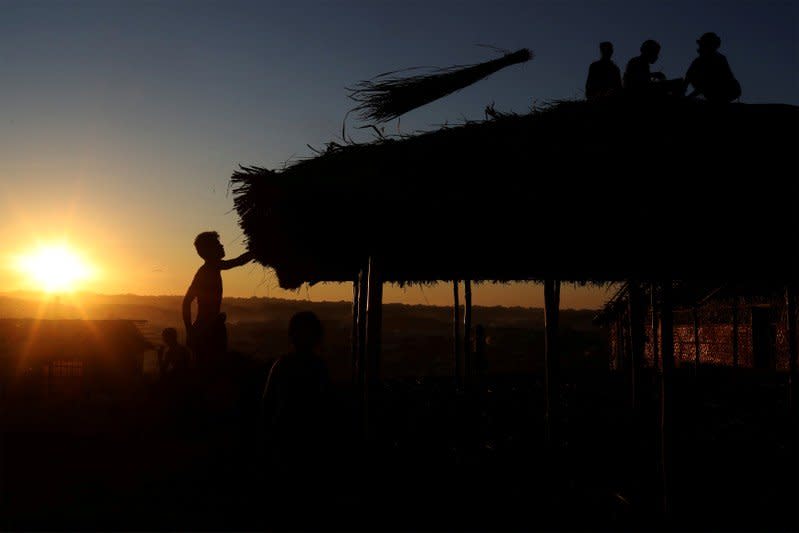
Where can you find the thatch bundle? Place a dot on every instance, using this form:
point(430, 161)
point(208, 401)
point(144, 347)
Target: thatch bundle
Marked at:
point(389, 95)
point(578, 191)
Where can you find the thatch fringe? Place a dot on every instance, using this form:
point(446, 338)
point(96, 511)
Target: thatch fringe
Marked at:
point(388, 96)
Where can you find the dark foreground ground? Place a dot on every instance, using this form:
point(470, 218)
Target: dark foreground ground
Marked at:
point(438, 460)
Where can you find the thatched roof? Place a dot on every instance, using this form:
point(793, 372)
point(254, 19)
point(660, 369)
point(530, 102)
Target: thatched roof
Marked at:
point(578, 191)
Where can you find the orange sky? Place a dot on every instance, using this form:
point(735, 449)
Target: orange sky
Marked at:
point(154, 261)
point(136, 227)
point(122, 122)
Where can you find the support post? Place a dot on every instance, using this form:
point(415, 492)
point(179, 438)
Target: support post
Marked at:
point(634, 298)
point(655, 325)
point(355, 340)
point(551, 355)
point(620, 342)
point(456, 334)
point(374, 324)
point(793, 350)
point(467, 333)
point(354, 332)
point(666, 390)
point(363, 297)
point(697, 345)
point(735, 331)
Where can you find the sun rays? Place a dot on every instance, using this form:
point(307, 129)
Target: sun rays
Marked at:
point(54, 268)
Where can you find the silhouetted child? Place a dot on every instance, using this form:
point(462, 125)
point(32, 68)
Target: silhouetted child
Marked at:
point(604, 77)
point(638, 80)
point(207, 336)
point(710, 74)
point(173, 359)
point(296, 400)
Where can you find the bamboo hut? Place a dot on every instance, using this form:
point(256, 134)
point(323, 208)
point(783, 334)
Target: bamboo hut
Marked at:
point(621, 189)
point(589, 192)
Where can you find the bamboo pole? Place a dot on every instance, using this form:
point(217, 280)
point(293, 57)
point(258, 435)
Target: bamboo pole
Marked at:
point(697, 346)
point(666, 389)
point(374, 320)
point(636, 338)
point(374, 323)
point(551, 355)
point(456, 334)
point(620, 342)
point(363, 292)
point(354, 334)
point(467, 333)
point(793, 350)
point(735, 331)
point(655, 325)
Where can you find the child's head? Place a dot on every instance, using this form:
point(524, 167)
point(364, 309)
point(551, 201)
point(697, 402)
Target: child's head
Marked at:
point(170, 336)
point(208, 245)
point(305, 331)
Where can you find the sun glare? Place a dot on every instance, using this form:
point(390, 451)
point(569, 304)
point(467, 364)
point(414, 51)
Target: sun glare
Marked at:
point(54, 268)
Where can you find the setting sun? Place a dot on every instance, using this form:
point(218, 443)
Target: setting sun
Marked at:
point(54, 268)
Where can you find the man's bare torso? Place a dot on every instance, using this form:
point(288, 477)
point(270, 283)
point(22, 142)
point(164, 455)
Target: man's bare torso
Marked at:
point(208, 286)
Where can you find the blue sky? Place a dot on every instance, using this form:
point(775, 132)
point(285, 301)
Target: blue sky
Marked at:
point(122, 121)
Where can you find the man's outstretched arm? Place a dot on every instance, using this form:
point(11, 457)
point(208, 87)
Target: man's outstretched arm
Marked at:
point(243, 259)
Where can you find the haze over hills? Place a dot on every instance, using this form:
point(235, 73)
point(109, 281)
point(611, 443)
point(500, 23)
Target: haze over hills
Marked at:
point(417, 338)
point(167, 308)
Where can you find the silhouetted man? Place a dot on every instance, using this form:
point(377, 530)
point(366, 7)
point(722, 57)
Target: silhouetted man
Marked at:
point(639, 81)
point(295, 400)
point(207, 336)
point(173, 359)
point(604, 77)
point(637, 76)
point(710, 74)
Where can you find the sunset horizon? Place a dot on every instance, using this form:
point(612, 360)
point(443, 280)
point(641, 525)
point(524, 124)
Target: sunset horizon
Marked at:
point(399, 265)
point(300, 297)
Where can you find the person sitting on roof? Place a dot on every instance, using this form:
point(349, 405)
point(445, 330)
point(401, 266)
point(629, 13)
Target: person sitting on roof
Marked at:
point(710, 74)
point(604, 77)
point(640, 81)
point(207, 336)
point(173, 358)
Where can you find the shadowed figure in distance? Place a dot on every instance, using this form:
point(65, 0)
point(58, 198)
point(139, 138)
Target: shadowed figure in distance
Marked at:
point(295, 402)
point(207, 335)
point(604, 77)
point(639, 81)
point(710, 73)
point(173, 358)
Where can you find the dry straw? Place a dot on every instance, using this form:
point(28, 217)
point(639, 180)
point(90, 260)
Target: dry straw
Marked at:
point(389, 96)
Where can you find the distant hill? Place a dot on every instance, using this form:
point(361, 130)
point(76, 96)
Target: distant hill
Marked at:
point(167, 310)
point(417, 339)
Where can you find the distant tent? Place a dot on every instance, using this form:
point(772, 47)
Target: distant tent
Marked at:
point(100, 353)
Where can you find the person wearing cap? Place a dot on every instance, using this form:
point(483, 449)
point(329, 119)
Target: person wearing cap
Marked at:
point(710, 74)
point(604, 77)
